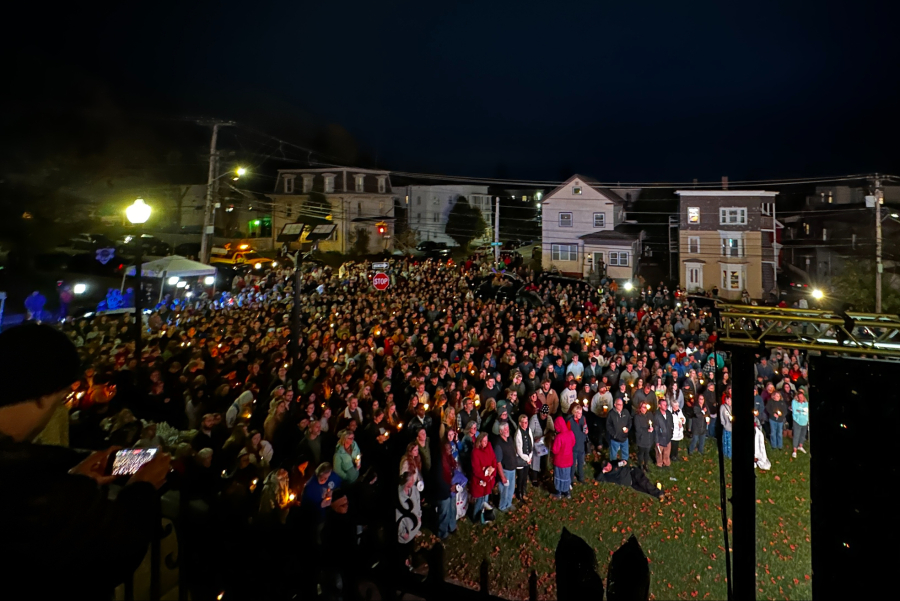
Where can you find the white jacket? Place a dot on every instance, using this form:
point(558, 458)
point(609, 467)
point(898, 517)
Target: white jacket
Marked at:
point(566, 399)
point(678, 420)
point(523, 456)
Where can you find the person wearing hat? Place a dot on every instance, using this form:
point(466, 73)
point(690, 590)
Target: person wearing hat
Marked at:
point(52, 494)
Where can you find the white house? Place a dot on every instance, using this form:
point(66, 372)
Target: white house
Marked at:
point(359, 199)
point(584, 230)
point(429, 206)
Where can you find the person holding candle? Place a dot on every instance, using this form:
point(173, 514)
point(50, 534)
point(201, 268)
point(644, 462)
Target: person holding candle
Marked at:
point(618, 425)
point(484, 474)
point(644, 434)
point(777, 409)
point(347, 457)
point(678, 422)
point(664, 425)
point(699, 423)
point(547, 396)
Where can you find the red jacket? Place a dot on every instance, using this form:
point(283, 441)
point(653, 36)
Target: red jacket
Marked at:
point(563, 444)
point(480, 483)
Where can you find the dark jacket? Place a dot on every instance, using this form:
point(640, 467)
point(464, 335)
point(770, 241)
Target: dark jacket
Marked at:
point(774, 407)
point(50, 511)
point(698, 421)
point(642, 434)
point(505, 451)
point(615, 423)
point(578, 430)
point(760, 407)
point(663, 427)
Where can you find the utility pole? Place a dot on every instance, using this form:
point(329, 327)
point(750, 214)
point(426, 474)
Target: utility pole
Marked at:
point(209, 214)
point(497, 232)
point(879, 267)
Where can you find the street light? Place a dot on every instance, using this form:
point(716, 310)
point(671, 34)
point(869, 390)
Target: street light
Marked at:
point(818, 294)
point(138, 214)
point(629, 286)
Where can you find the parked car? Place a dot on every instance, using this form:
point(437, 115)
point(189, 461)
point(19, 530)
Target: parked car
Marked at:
point(240, 256)
point(429, 249)
point(150, 245)
point(84, 243)
point(188, 249)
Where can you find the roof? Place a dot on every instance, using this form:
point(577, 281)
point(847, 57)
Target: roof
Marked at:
point(725, 193)
point(624, 233)
point(173, 266)
point(593, 183)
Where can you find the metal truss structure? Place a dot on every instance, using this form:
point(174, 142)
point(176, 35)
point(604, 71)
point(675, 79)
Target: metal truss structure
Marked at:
point(812, 330)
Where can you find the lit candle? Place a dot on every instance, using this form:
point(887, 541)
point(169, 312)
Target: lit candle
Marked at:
point(291, 497)
point(400, 426)
point(707, 419)
point(647, 405)
point(426, 406)
point(651, 423)
point(755, 412)
point(624, 429)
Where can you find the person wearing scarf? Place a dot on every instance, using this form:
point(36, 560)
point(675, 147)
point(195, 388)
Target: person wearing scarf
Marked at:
point(524, 452)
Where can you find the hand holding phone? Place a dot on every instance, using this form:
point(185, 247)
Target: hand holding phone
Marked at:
point(154, 471)
point(95, 466)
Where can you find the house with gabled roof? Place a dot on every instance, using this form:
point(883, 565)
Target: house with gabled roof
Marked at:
point(585, 232)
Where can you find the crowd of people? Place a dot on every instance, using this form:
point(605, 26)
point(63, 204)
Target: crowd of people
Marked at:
point(419, 406)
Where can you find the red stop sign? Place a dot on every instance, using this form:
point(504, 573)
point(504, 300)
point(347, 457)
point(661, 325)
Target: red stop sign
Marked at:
point(381, 281)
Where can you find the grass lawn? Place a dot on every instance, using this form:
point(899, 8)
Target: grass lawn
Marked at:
point(682, 540)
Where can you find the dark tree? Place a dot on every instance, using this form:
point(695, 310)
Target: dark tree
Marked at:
point(465, 222)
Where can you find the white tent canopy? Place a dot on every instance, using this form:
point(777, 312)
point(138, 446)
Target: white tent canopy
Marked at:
point(173, 266)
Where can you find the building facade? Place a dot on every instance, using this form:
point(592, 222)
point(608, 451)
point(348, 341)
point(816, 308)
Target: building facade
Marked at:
point(356, 200)
point(428, 208)
point(728, 239)
point(584, 231)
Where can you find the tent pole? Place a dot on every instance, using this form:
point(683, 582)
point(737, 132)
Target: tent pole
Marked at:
point(162, 285)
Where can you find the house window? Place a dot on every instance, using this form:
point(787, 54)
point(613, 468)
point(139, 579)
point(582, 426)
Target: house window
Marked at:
point(307, 183)
point(358, 209)
point(360, 182)
point(806, 229)
point(434, 218)
point(693, 214)
point(619, 259)
point(329, 182)
point(565, 220)
point(576, 190)
point(564, 252)
point(694, 245)
point(732, 279)
point(382, 184)
point(418, 201)
point(599, 219)
point(732, 247)
point(288, 184)
point(733, 216)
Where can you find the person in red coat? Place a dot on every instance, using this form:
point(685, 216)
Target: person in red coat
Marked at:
point(484, 474)
point(563, 458)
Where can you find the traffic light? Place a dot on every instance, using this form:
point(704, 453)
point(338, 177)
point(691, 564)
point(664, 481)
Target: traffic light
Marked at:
point(382, 229)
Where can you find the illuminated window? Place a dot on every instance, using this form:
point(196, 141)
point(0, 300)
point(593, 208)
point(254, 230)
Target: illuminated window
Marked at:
point(576, 190)
point(360, 182)
point(693, 214)
point(565, 220)
point(382, 184)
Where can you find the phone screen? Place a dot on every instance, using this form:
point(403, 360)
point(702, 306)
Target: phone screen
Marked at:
point(128, 461)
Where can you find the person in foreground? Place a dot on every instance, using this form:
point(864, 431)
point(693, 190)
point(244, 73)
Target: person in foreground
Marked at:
point(63, 538)
point(623, 474)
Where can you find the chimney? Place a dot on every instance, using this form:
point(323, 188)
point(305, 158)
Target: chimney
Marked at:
point(695, 182)
point(724, 182)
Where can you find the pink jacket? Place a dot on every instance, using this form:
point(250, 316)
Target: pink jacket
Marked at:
point(563, 444)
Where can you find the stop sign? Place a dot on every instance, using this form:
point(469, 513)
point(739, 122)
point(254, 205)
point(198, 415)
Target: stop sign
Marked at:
point(381, 281)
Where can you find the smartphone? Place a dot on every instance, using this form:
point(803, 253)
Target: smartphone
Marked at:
point(128, 461)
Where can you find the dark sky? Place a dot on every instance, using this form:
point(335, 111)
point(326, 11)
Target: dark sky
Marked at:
point(627, 91)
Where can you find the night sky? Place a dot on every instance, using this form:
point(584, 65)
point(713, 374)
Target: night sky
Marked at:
point(625, 91)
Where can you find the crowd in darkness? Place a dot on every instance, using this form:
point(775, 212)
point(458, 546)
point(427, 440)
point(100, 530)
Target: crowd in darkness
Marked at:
point(410, 408)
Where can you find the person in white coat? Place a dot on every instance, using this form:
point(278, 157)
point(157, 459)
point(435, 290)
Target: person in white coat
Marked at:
point(238, 408)
point(541, 426)
point(759, 455)
point(679, 420)
point(524, 455)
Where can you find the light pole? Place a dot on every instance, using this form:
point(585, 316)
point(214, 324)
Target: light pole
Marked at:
point(138, 214)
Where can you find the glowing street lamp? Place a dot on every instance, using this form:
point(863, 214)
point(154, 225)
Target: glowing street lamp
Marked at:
point(629, 286)
point(138, 214)
point(818, 294)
